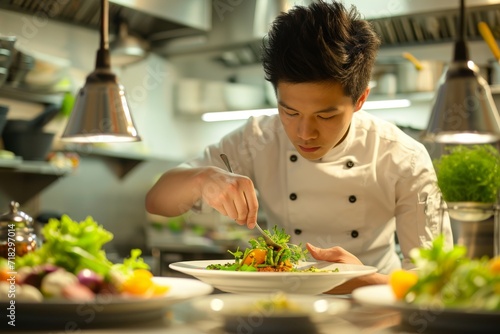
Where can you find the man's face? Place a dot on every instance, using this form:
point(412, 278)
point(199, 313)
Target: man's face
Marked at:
point(315, 116)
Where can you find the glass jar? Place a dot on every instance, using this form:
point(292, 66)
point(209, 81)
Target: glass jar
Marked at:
point(17, 236)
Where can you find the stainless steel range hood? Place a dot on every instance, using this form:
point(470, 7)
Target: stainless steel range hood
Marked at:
point(406, 23)
point(238, 29)
point(234, 24)
point(150, 19)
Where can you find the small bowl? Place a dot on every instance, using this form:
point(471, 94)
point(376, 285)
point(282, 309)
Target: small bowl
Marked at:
point(271, 313)
point(29, 145)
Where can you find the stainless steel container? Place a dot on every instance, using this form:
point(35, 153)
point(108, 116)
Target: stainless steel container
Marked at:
point(477, 227)
point(6, 56)
point(17, 236)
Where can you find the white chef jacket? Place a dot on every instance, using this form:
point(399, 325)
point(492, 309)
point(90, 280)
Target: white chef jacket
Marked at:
point(374, 183)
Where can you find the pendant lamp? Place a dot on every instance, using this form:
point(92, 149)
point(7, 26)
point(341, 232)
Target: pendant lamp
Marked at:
point(101, 112)
point(463, 111)
point(127, 48)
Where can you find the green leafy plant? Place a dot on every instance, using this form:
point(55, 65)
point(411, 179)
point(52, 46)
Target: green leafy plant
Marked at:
point(447, 278)
point(75, 246)
point(469, 174)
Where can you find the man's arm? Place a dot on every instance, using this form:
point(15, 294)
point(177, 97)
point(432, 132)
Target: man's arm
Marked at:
point(179, 189)
point(176, 192)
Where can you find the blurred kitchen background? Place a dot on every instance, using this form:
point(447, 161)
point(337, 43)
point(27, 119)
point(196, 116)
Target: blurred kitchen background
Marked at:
point(178, 60)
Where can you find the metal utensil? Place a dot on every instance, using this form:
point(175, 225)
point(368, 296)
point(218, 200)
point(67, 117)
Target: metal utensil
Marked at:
point(268, 239)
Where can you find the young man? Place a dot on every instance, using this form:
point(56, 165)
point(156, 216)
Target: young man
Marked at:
point(329, 173)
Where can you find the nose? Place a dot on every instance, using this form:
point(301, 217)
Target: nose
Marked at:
point(307, 130)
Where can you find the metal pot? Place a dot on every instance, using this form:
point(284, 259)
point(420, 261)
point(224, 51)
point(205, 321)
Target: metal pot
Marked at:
point(473, 226)
point(421, 76)
point(21, 65)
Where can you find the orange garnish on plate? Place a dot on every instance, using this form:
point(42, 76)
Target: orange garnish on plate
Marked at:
point(141, 284)
point(495, 265)
point(401, 281)
point(4, 275)
point(158, 290)
point(256, 256)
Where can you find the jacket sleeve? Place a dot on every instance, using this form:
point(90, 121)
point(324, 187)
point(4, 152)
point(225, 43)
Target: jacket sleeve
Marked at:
point(235, 146)
point(420, 216)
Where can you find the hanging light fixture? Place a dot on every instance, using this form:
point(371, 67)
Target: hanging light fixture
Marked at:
point(127, 48)
point(463, 111)
point(101, 112)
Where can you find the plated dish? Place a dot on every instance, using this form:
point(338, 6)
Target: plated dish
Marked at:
point(244, 282)
point(270, 313)
point(106, 310)
point(421, 319)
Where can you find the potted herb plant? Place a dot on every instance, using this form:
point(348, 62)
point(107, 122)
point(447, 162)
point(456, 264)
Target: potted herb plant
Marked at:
point(469, 179)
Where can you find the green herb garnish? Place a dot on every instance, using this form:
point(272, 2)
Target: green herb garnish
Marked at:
point(286, 256)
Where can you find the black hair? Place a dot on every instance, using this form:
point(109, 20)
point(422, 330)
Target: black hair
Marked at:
point(321, 42)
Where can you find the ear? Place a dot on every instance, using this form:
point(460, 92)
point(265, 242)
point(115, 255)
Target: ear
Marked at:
point(362, 99)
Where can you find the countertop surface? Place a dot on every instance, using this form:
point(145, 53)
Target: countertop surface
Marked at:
point(182, 318)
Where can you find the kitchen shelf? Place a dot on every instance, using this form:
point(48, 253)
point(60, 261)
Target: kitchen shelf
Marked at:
point(22, 180)
point(495, 89)
point(416, 96)
point(121, 163)
point(30, 95)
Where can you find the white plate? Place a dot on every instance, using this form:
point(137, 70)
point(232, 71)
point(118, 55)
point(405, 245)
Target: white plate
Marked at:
point(308, 283)
point(239, 311)
point(106, 310)
point(419, 319)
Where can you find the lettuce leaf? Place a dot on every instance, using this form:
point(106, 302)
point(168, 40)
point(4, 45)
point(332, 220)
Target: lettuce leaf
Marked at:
point(71, 245)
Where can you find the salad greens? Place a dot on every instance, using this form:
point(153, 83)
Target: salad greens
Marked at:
point(78, 245)
point(262, 257)
point(447, 278)
point(469, 174)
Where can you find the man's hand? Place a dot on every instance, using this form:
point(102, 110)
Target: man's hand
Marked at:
point(231, 194)
point(334, 254)
point(340, 255)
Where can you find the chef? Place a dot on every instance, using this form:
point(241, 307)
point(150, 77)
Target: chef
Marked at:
point(335, 177)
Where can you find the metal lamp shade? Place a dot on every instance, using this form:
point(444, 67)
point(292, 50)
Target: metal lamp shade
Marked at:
point(101, 113)
point(463, 111)
point(127, 49)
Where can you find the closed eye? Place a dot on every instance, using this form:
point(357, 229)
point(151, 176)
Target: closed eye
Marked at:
point(290, 112)
point(326, 116)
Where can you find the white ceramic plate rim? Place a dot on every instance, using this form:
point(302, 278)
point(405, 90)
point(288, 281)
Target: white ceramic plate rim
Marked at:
point(197, 268)
point(180, 289)
point(382, 296)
